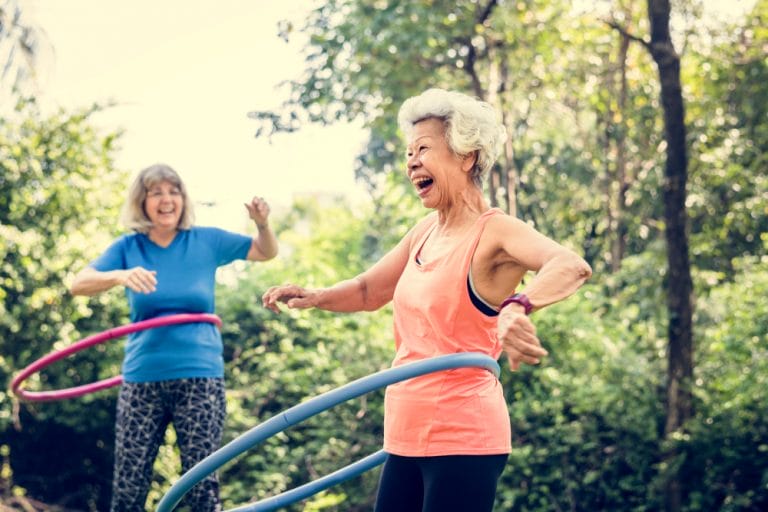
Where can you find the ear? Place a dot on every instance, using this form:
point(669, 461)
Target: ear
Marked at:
point(468, 161)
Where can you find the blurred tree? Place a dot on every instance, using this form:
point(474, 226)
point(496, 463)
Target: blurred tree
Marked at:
point(21, 46)
point(59, 196)
point(366, 57)
point(679, 283)
point(728, 198)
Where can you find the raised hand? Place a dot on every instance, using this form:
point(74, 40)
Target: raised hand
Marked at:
point(258, 210)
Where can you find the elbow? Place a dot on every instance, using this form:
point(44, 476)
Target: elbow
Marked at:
point(270, 255)
point(75, 288)
point(78, 288)
point(258, 253)
point(369, 301)
point(581, 268)
point(572, 267)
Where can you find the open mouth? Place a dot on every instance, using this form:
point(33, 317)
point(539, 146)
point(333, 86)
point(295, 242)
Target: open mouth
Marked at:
point(423, 183)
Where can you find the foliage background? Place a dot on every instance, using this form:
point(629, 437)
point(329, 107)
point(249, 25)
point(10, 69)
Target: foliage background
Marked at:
point(587, 155)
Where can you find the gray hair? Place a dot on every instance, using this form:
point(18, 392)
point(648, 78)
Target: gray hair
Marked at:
point(470, 125)
point(134, 216)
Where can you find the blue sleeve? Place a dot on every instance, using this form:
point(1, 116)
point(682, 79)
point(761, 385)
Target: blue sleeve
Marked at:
point(230, 246)
point(112, 259)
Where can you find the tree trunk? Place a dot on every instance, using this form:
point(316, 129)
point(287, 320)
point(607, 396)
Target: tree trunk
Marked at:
point(510, 177)
point(503, 176)
point(620, 242)
point(616, 183)
point(679, 299)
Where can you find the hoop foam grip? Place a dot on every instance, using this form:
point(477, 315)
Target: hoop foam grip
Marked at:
point(310, 408)
point(117, 332)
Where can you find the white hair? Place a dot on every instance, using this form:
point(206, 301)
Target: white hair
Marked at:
point(470, 125)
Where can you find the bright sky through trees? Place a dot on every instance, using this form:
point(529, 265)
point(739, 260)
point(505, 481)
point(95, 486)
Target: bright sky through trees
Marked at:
point(184, 75)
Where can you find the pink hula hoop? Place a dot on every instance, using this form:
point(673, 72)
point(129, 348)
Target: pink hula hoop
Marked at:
point(110, 334)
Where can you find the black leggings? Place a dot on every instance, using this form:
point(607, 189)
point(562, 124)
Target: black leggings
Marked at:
point(197, 409)
point(461, 483)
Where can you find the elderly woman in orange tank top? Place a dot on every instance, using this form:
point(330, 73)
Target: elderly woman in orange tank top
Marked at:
point(453, 280)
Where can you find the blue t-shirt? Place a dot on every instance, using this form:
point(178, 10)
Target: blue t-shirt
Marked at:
point(186, 276)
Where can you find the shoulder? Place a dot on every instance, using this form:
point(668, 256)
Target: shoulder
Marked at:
point(507, 233)
point(500, 222)
point(205, 232)
point(127, 240)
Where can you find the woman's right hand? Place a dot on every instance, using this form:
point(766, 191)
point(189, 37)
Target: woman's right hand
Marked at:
point(139, 279)
point(518, 337)
point(295, 297)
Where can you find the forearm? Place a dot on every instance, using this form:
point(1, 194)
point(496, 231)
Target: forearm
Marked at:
point(266, 241)
point(559, 278)
point(349, 296)
point(92, 282)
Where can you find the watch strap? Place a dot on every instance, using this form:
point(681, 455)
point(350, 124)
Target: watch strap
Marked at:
point(518, 298)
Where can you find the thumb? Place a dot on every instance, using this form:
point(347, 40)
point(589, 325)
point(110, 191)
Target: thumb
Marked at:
point(514, 364)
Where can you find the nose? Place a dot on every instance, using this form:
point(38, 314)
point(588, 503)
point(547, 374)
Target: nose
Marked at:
point(412, 163)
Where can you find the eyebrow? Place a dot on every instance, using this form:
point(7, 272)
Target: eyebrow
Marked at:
point(415, 141)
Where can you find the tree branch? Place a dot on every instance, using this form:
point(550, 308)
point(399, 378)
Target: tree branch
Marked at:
point(472, 56)
point(614, 25)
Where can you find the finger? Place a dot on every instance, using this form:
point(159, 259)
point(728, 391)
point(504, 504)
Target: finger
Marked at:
point(526, 349)
point(146, 281)
point(149, 279)
point(298, 303)
point(144, 287)
point(277, 294)
point(519, 358)
point(521, 324)
point(267, 302)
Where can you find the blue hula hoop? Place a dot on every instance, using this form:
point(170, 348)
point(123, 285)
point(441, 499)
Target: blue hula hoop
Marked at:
point(310, 408)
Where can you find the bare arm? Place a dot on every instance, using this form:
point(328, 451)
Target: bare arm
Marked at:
point(90, 281)
point(559, 273)
point(559, 270)
point(264, 245)
point(367, 292)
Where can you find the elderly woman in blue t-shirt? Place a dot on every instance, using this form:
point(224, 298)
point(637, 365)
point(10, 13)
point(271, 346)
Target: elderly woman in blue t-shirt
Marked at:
point(173, 373)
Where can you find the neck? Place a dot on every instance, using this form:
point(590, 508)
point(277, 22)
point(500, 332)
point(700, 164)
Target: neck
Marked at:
point(162, 236)
point(463, 210)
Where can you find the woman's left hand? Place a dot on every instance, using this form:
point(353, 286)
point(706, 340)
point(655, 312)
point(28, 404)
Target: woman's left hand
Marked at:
point(518, 337)
point(258, 210)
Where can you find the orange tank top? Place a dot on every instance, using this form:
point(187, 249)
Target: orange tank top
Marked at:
point(451, 412)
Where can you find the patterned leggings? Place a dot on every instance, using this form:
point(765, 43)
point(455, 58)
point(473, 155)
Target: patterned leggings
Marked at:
point(197, 409)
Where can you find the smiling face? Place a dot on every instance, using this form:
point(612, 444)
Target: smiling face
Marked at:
point(164, 205)
point(438, 174)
